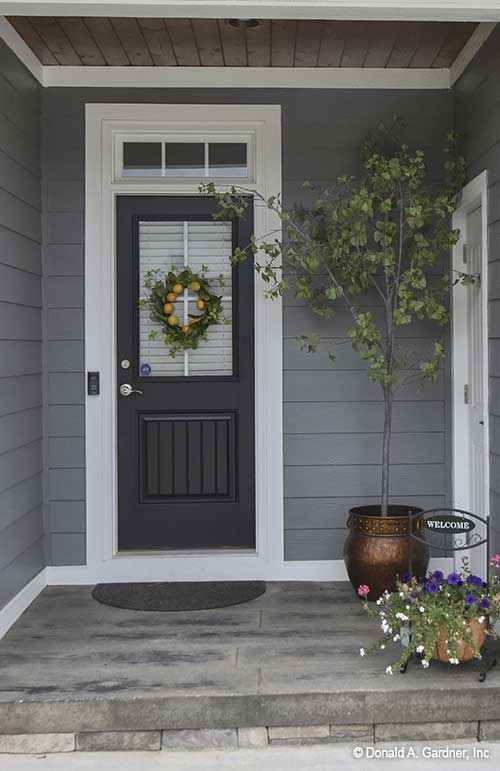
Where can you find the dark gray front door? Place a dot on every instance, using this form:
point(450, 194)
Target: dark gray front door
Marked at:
point(186, 443)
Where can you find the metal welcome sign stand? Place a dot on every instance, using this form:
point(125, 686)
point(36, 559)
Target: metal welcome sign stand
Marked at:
point(452, 530)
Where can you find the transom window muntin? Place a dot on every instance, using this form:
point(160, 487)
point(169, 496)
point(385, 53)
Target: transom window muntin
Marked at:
point(184, 157)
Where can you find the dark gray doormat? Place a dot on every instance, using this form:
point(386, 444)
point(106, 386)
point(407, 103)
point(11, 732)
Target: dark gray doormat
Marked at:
point(178, 595)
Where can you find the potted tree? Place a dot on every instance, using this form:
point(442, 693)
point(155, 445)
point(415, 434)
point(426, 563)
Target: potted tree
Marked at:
point(382, 234)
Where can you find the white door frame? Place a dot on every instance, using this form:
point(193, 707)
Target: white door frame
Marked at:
point(474, 194)
point(103, 123)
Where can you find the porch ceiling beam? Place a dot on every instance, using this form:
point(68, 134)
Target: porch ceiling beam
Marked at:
point(408, 10)
point(245, 77)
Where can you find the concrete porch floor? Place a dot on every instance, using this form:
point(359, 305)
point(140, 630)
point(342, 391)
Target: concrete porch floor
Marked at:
point(289, 658)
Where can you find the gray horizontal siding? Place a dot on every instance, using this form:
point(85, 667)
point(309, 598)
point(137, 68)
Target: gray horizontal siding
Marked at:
point(331, 411)
point(477, 106)
point(21, 489)
point(20, 498)
point(362, 449)
point(359, 417)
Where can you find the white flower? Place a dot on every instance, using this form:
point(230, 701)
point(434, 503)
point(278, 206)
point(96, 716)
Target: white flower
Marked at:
point(454, 661)
point(382, 647)
point(481, 619)
point(401, 594)
point(419, 648)
point(422, 609)
point(407, 607)
point(425, 663)
point(389, 671)
point(396, 638)
point(379, 601)
point(362, 652)
point(402, 616)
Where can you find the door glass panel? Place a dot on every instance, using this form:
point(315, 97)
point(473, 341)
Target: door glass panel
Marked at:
point(184, 159)
point(142, 159)
point(227, 159)
point(204, 246)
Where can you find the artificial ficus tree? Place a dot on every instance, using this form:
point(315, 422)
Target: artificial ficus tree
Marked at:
point(384, 235)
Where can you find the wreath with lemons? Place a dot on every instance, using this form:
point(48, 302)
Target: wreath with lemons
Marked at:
point(161, 297)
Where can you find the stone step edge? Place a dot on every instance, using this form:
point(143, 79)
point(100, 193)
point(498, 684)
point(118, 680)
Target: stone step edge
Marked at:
point(245, 737)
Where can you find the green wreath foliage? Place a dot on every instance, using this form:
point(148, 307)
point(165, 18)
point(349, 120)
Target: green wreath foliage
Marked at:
point(179, 336)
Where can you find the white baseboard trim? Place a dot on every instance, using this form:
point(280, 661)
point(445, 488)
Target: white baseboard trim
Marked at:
point(71, 575)
point(314, 570)
point(18, 604)
point(320, 570)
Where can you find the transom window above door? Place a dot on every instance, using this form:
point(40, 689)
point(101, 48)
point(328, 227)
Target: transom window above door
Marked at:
point(186, 157)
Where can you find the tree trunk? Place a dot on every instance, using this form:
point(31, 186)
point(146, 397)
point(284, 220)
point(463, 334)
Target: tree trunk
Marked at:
point(386, 449)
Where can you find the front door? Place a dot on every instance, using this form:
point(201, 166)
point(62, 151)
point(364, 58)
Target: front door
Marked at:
point(186, 425)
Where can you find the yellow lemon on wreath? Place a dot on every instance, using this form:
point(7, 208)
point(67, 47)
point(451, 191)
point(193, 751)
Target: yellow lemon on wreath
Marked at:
point(171, 297)
point(200, 304)
point(195, 286)
point(172, 321)
point(178, 288)
point(168, 308)
point(185, 328)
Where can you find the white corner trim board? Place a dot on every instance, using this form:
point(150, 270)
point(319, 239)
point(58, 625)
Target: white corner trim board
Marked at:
point(433, 10)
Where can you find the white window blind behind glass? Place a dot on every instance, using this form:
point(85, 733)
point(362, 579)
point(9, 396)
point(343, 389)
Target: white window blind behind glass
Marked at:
point(173, 245)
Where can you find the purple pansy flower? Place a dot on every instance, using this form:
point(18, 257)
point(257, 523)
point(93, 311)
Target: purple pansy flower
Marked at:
point(405, 577)
point(485, 603)
point(438, 575)
point(432, 587)
point(453, 579)
point(412, 596)
point(471, 599)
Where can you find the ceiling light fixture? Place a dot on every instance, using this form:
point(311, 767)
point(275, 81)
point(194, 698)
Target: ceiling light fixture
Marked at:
point(244, 23)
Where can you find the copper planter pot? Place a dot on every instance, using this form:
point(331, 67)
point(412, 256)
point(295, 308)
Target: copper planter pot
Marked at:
point(377, 548)
point(465, 652)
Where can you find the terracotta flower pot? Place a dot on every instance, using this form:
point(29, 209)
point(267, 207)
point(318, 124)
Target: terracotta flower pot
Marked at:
point(377, 548)
point(465, 652)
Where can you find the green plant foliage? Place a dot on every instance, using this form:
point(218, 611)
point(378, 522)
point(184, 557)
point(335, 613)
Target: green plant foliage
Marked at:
point(381, 236)
point(177, 335)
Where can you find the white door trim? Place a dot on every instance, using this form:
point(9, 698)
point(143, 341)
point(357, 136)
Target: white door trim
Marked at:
point(473, 195)
point(103, 123)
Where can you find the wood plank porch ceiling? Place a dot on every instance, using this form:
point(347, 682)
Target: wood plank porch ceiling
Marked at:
point(88, 41)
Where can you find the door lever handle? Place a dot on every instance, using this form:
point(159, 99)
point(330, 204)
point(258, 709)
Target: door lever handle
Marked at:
point(127, 390)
